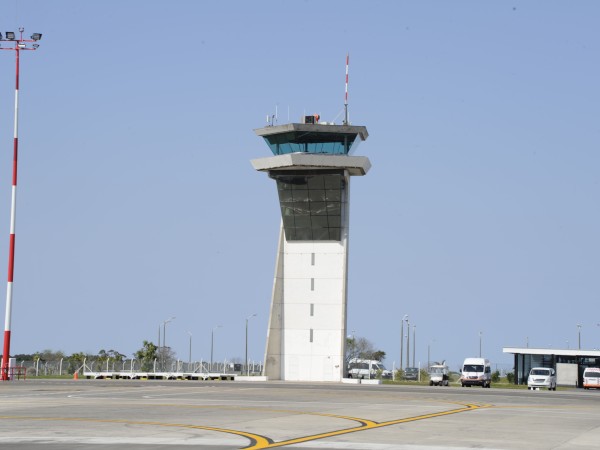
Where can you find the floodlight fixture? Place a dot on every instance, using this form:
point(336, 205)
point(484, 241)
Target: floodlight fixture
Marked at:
point(21, 45)
point(0, 35)
point(10, 35)
point(35, 45)
point(36, 36)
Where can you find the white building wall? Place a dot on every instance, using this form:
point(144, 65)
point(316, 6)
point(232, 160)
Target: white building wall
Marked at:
point(314, 292)
point(309, 301)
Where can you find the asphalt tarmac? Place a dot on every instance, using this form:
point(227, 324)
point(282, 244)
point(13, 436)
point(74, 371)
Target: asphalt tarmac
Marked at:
point(112, 414)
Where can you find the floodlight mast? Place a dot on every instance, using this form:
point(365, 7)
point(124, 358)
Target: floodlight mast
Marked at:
point(19, 45)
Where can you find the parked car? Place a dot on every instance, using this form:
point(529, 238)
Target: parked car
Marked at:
point(541, 377)
point(591, 378)
point(411, 374)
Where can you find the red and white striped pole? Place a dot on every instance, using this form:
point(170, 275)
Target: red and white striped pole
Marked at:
point(20, 44)
point(13, 217)
point(346, 99)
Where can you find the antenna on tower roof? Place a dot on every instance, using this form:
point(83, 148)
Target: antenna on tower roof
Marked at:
point(346, 99)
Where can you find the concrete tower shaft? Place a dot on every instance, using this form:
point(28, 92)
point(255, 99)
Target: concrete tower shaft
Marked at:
point(307, 325)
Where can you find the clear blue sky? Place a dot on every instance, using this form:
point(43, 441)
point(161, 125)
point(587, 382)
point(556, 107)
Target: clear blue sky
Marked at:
point(137, 200)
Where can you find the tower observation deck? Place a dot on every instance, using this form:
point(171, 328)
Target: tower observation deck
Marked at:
point(311, 164)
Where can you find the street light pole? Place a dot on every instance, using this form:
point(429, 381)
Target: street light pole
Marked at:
point(190, 359)
point(164, 356)
point(579, 335)
point(402, 341)
point(428, 356)
point(480, 333)
point(414, 343)
point(212, 344)
point(19, 44)
point(407, 343)
point(247, 319)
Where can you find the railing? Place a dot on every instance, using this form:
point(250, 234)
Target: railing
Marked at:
point(65, 367)
point(17, 373)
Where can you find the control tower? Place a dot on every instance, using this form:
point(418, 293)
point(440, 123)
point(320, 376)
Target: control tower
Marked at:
point(311, 164)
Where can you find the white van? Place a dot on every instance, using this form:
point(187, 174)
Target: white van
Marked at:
point(476, 371)
point(540, 377)
point(367, 369)
point(591, 378)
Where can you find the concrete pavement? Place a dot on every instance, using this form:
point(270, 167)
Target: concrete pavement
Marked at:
point(113, 414)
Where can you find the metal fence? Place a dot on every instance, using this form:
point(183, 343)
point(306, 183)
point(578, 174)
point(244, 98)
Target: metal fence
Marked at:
point(64, 366)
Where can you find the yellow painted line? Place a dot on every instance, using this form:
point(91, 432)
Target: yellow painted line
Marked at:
point(258, 441)
point(287, 411)
point(368, 426)
point(255, 439)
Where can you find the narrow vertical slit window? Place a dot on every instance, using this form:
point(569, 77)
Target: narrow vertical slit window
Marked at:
point(312, 259)
point(312, 284)
point(311, 335)
point(312, 309)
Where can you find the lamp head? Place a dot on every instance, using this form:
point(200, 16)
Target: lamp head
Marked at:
point(10, 35)
point(36, 36)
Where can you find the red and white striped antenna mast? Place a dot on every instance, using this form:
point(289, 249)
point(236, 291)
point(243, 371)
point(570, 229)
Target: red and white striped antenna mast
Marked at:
point(346, 98)
point(18, 44)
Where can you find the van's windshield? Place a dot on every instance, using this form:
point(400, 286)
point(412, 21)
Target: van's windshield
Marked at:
point(436, 370)
point(540, 372)
point(473, 368)
point(592, 374)
point(359, 366)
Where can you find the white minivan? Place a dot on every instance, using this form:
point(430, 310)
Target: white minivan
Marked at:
point(591, 378)
point(365, 368)
point(541, 377)
point(476, 371)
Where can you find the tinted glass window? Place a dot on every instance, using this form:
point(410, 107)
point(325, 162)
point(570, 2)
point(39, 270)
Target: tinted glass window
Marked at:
point(311, 204)
point(303, 142)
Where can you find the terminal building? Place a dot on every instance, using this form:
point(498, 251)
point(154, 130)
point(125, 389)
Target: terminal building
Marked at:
point(568, 363)
point(312, 165)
